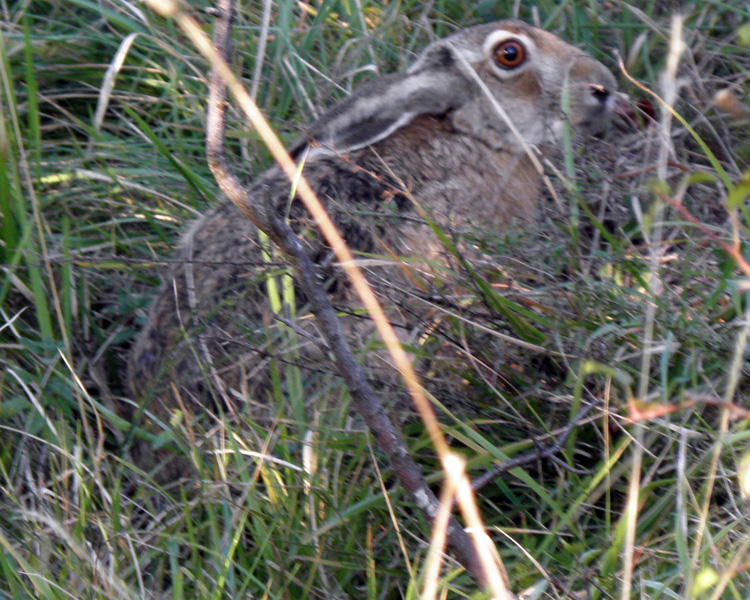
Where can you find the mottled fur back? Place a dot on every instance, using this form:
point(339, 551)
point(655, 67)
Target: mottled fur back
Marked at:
point(444, 150)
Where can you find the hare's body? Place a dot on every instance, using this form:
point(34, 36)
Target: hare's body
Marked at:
point(433, 139)
point(218, 282)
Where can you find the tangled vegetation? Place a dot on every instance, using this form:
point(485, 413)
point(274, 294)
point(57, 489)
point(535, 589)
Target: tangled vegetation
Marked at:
point(633, 283)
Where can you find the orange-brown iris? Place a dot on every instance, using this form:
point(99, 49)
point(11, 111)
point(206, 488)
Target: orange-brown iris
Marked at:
point(510, 54)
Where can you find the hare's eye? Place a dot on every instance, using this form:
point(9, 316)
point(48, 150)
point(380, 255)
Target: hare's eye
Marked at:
point(510, 54)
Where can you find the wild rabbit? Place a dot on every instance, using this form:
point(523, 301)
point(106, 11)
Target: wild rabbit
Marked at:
point(451, 135)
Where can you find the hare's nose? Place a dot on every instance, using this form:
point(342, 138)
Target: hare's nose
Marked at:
point(604, 97)
point(601, 93)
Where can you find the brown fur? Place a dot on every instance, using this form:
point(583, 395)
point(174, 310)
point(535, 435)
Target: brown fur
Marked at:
point(210, 325)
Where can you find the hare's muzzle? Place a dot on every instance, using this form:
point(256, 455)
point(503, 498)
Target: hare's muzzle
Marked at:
point(602, 107)
point(591, 94)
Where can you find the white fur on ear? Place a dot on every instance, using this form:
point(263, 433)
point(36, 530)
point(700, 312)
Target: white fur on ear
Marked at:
point(433, 86)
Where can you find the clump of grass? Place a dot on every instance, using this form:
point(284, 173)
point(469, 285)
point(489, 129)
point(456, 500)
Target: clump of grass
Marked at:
point(90, 214)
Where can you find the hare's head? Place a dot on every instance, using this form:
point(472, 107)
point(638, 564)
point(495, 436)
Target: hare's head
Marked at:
point(492, 82)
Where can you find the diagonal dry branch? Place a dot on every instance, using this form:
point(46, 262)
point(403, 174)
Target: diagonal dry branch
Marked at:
point(365, 399)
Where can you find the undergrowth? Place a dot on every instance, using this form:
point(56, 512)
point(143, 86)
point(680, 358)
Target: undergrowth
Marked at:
point(100, 176)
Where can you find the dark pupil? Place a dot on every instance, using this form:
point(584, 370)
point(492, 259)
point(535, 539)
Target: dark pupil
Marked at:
point(510, 53)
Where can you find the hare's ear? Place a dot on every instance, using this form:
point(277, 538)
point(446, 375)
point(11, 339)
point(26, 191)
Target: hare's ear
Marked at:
point(434, 85)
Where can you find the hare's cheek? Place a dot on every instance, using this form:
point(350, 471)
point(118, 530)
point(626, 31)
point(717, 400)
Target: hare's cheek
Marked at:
point(524, 104)
point(558, 130)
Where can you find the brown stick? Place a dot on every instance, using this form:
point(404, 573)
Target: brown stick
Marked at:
point(365, 399)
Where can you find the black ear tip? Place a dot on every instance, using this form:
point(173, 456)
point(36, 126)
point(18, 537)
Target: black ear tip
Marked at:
point(441, 57)
point(296, 151)
point(300, 146)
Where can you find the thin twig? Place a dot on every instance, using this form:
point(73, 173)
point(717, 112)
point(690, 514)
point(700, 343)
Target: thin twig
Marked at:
point(535, 455)
point(264, 217)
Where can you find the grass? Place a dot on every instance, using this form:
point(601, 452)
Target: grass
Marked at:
point(91, 213)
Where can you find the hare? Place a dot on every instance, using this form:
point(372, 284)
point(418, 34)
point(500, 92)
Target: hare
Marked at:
point(451, 135)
